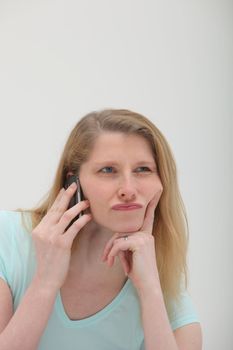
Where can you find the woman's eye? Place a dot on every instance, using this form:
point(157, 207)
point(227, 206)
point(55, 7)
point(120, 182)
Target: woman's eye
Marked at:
point(107, 170)
point(143, 169)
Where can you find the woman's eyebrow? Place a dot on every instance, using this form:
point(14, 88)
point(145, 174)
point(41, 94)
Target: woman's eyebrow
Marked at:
point(113, 162)
point(145, 162)
point(105, 162)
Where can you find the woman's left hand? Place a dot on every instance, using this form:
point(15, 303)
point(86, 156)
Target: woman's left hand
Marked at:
point(136, 251)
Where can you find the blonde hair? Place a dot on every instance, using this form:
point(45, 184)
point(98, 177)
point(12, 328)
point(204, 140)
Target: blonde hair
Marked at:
point(170, 224)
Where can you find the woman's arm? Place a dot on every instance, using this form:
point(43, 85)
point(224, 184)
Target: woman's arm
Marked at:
point(157, 330)
point(137, 255)
point(53, 244)
point(189, 337)
point(26, 326)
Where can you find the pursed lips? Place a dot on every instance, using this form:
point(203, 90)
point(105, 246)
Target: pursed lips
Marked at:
point(131, 206)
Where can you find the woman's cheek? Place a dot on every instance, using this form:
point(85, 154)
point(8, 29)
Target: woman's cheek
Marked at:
point(98, 210)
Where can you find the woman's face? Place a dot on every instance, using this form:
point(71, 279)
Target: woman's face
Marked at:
point(120, 178)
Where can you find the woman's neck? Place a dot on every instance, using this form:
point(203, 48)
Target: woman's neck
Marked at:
point(86, 256)
point(92, 239)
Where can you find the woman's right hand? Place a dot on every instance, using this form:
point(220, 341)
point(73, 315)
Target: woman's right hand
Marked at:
point(53, 242)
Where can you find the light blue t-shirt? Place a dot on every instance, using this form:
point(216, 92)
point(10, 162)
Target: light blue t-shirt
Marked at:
point(116, 327)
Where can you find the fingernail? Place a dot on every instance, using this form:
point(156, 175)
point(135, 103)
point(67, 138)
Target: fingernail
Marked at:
point(73, 185)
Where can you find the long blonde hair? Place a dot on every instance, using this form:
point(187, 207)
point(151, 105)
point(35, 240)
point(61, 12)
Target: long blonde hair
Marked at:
point(170, 224)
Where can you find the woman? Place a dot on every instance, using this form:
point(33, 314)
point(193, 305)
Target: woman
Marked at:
point(115, 277)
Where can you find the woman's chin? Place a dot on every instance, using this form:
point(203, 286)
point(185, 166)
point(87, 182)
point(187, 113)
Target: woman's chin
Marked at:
point(121, 226)
point(125, 228)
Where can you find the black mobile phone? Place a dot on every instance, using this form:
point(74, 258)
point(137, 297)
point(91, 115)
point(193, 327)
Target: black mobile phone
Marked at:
point(78, 195)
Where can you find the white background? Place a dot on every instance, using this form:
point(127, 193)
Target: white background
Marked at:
point(169, 60)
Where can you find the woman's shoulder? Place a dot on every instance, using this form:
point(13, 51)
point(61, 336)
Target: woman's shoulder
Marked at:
point(17, 256)
point(14, 222)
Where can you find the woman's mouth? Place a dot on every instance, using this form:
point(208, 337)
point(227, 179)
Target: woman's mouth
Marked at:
point(130, 206)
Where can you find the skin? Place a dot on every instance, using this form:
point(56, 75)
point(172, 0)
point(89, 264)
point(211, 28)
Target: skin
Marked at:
point(121, 169)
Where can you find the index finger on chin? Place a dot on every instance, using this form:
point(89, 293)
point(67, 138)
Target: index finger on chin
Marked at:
point(149, 216)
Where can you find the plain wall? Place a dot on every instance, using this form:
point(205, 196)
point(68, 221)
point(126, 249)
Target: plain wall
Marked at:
point(169, 60)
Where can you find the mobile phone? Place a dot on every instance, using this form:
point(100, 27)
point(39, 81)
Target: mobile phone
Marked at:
point(77, 197)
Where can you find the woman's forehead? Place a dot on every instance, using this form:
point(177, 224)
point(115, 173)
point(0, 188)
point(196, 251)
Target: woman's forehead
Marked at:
point(117, 138)
point(115, 145)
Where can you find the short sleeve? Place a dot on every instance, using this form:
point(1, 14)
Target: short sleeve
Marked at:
point(6, 245)
point(182, 312)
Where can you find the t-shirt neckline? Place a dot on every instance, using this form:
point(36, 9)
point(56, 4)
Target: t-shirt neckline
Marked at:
point(93, 318)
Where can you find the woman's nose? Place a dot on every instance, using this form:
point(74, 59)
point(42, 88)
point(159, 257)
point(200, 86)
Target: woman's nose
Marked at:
point(127, 190)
